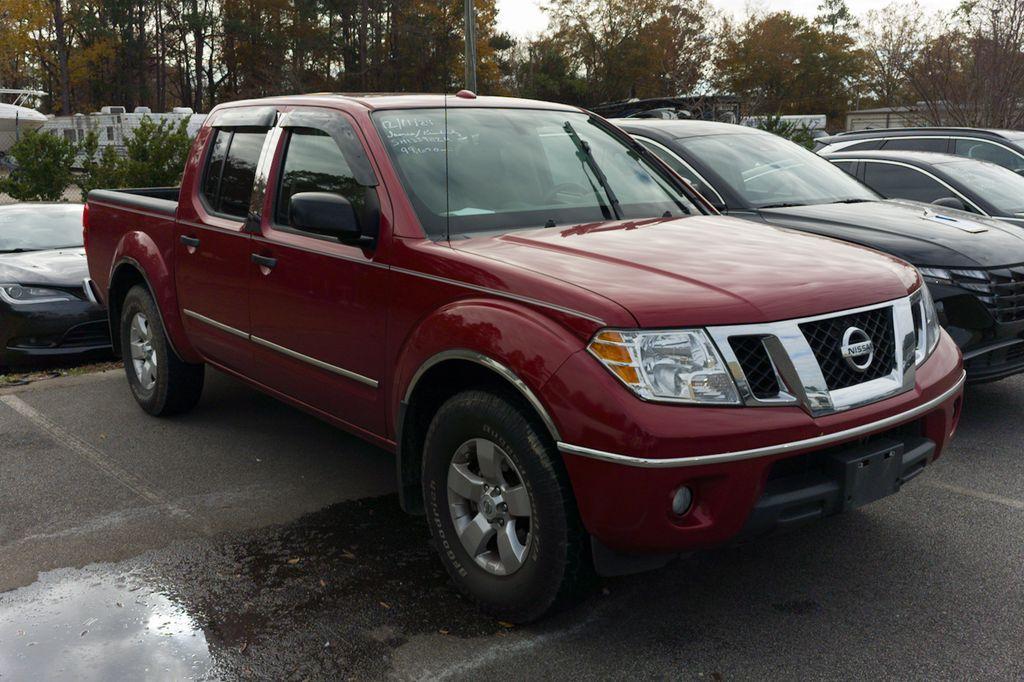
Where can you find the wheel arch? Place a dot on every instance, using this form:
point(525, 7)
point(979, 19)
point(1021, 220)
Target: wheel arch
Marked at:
point(436, 380)
point(126, 274)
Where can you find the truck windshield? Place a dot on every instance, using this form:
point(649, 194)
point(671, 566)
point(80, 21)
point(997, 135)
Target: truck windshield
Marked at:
point(764, 170)
point(513, 168)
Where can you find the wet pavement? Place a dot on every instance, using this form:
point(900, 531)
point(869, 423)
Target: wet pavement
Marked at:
point(247, 540)
point(103, 624)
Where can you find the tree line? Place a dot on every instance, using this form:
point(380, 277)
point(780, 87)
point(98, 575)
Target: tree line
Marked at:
point(963, 66)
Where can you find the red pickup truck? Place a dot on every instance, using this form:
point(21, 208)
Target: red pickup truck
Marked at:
point(577, 364)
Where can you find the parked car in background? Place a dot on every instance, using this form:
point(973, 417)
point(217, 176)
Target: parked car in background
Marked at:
point(576, 364)
point(47, 309)
point(974, 265)
point(1001, 147)
point(951, 181)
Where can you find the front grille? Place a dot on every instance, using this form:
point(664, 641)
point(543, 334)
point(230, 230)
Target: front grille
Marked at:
point(88, 334)
point(1002, 290)
point(757, 366)
point(1007, 304)
point(826, 339)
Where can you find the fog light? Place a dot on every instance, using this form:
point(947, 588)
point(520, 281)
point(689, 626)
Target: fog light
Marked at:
point(681, 500)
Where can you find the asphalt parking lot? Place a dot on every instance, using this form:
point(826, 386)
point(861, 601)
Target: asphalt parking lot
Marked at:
point(248, 540)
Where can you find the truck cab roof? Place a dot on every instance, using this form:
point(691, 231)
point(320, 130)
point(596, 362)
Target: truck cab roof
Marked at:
point(380, 101)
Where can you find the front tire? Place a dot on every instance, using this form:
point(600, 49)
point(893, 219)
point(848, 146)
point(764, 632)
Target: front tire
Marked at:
point(160, 381)
point(500, 507)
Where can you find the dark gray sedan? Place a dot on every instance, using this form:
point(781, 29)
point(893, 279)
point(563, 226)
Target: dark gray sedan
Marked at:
point(952, 181)
point(47, 308)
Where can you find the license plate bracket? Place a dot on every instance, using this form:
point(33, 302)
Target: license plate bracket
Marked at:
point(869, 473)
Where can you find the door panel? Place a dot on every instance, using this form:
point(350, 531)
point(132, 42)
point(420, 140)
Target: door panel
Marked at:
point(212, 280)
point(318, 315)
point(212, 262)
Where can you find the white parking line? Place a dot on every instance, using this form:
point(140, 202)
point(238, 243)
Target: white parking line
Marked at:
point(979, 494)
point(98, 460)
point(501, 650)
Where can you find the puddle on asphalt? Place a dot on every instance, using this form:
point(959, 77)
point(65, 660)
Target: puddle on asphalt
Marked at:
point(331, 594)
point(97, 625)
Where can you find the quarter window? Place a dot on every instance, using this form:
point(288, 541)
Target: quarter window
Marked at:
point(313, 163)
point(986, 151)
point(900, 182)
point(847, 166)
point(861, 146)
point(231, 170)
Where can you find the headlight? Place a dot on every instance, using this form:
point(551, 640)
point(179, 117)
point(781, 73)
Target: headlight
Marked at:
point(675, 366)
point(974, 280)
point(927, 323)
point(939, 275)
point(16, 294)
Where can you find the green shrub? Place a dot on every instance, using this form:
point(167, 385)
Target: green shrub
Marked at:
point(100, 170)
point(800, 134)
point(156, 153)
point(42, 167)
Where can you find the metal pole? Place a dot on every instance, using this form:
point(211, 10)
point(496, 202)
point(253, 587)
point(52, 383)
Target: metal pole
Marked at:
point(470, 30)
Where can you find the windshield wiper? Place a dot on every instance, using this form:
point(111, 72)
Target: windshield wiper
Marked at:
point(849, 201)
point(782, 205)
point(18, 250)
point(586, 156)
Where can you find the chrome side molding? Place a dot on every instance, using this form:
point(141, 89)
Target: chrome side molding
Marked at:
point(341, 371)
point(215, 324)
point(295, 355)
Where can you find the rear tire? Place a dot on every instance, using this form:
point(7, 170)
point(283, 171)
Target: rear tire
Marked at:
point(161, 382)
point(500, 507)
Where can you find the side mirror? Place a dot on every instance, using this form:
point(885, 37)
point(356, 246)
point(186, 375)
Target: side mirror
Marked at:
point(327, 214)
point(950, 202)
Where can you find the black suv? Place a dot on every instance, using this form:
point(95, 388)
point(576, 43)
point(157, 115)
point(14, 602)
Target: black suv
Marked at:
point(974, 265)
point(1002, 147)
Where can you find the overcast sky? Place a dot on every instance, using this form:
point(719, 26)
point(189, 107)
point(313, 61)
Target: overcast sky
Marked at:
point(524, 18)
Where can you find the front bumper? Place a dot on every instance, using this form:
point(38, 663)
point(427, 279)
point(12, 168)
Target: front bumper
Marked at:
point(35, 334)
point(626, 458)
point(992, 349)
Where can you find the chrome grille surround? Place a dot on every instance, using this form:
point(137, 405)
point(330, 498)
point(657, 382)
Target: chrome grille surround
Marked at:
point(800, 377)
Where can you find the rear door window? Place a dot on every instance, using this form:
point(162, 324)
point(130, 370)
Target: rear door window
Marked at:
point(987, 151)
point(215, 166)
point(231, 170)
point(918, 144)
point(901, 182)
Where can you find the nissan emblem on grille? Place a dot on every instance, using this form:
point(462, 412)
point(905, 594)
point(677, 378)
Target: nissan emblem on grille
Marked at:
point(858, 349)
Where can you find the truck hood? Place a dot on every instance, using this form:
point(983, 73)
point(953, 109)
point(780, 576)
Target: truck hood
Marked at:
point(922, 234)
point(704, 270)
point(60, 267)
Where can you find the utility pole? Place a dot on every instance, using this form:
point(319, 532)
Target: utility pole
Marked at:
point(470, 30)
